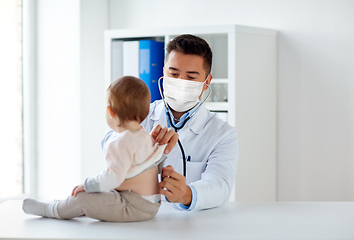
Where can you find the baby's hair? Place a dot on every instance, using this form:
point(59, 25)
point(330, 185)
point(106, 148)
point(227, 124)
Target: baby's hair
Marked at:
point(129, 98)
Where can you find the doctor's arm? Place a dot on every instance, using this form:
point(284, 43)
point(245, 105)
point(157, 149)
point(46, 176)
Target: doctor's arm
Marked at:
point(216, 183)
point(214, 187)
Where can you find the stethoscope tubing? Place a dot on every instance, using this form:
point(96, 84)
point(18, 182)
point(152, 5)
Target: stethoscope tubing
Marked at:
point(179, 128)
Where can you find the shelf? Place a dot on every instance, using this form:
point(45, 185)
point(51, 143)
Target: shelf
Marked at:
point(217, 106)
point(243, 91)
point(220, 80)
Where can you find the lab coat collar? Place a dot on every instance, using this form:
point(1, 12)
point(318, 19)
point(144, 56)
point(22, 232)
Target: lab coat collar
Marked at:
point(199, 120)
point(196, 124)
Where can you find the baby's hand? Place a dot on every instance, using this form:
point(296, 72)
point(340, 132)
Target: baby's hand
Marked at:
point(77, 189)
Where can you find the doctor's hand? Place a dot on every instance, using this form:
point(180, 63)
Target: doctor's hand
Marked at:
point(175, 183)
point(164, 135)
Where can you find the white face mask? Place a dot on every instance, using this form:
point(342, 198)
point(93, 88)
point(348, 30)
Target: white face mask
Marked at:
point(180, 94)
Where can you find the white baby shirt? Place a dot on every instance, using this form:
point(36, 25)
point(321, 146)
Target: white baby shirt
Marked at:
point(124, 152)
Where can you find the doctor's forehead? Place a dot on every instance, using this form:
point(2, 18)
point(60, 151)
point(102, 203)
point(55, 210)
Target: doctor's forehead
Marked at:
point(184, 62)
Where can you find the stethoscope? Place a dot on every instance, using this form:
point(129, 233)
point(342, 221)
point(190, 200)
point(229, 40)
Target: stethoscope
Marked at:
point(183, 124)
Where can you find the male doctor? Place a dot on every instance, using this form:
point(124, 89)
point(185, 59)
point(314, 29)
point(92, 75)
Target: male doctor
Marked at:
point(210, 144)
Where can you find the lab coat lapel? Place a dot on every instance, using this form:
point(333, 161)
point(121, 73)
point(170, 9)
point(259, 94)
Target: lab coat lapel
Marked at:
point(198, 121)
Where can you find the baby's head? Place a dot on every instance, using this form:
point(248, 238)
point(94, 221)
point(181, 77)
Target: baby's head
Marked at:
point(129, 99)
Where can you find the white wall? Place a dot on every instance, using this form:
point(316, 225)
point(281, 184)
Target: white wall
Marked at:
point(315, 80)
point(71, 92)
point(94, 20)
point(58, 97)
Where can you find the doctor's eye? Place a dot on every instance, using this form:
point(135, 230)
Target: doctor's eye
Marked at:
point(174, 74)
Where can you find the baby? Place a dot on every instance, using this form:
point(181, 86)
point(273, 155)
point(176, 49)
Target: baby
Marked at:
point(111, 195)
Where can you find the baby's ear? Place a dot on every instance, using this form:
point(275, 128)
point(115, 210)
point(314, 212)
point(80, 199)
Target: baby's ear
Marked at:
point(111, 112)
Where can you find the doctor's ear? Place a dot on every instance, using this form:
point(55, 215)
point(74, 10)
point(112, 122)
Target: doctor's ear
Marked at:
point(208, 80)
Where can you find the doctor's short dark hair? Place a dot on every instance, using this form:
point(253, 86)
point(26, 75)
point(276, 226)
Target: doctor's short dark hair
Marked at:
point(190, 44)
point(129, 98)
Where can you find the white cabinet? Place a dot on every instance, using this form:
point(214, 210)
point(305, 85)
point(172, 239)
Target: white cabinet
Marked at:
point(244, 91)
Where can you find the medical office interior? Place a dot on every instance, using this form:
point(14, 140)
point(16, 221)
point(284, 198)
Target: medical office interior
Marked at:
point(64, 92)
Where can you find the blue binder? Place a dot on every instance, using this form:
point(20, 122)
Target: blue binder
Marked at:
point(151, 62)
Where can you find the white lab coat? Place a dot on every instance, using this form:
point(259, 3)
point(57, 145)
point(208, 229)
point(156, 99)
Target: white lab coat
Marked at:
point(213, 147)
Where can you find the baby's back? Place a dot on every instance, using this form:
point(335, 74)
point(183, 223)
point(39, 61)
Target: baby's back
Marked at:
point(146, 183)
point(141, 146)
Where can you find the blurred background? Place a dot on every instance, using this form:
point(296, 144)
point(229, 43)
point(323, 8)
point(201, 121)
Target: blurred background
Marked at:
point(52, 88)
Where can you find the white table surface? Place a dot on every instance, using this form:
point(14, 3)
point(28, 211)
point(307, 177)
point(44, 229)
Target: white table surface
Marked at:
point(273, 220)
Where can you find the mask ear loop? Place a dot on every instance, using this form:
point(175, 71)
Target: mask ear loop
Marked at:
point(203, 100)
point(208, 88)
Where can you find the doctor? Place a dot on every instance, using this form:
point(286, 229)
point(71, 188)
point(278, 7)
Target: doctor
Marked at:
point(210, 144)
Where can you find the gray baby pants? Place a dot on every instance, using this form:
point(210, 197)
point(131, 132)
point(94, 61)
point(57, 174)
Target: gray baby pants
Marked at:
point(111, 206)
